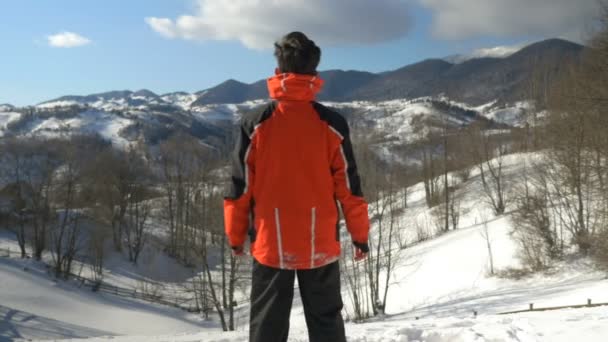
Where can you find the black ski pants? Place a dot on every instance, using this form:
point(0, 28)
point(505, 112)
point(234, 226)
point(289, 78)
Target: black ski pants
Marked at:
point(272, 295)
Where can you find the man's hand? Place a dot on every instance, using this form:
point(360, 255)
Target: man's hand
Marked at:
point(361, 250)
point(238, 251)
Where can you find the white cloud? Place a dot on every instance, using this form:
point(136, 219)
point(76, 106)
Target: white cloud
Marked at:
point(258, 23)
point(456, 19)
point(67, 40)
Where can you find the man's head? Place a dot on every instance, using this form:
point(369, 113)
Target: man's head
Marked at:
point(297, 54)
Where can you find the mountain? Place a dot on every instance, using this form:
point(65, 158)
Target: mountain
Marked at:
point(487, 75)
point(340, 84)
point(231, 91)
point(181, 99)
point(396, 122)
point(412, 81)
point(496, 74)
point(475, 81)
point(396, 104)
point(111, 100)
point(5, 107)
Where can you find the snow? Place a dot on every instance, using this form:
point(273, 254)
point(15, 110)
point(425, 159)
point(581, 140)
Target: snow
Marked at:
point(225, 112)
point(5, 119)
point(512, 115)
point(6, 108)
point(107, 104)
point(562, 326)
point(397, 118)
point(493, 52)
point(54, 104)
point(436, 288)
point(33, 306)
point(107, 125)
point(181, 100)
point(401, 121)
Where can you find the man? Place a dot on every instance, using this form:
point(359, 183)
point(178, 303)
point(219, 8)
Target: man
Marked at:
point(293, 165)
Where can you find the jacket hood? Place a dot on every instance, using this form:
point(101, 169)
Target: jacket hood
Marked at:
point(294, 87)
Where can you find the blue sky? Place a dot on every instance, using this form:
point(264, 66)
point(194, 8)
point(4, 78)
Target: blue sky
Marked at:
point(226, 39)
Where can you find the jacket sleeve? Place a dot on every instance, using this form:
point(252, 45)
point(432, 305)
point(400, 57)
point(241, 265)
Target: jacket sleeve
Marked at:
point(347, 187)
point(237, 203)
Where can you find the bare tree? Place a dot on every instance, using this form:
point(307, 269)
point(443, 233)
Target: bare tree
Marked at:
point(136, 223)
point(66, 232)
point(112, 177)
point(96, 251)
point(490, 152)
point(14, 167)
point(534, 230)
point(485, 233)
point(182, 160)
point(39, 177)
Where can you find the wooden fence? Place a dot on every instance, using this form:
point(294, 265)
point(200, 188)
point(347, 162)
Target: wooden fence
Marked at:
point(531, 307)
point(7, 253)
point(186, 303)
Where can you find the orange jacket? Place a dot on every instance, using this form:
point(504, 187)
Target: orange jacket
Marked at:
point(293, 163)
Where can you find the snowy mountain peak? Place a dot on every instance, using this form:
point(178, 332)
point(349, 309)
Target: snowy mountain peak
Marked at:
point(5, 107)
point(112, 100)
point(493, 52)
point(180, 99)
point(145, 93)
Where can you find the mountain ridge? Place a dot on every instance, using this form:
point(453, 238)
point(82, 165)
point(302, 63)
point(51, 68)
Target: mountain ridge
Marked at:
point(474, 81)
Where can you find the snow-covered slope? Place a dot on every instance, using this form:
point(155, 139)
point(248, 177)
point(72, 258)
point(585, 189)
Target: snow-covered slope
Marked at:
point(114, 100)
point(441, 281)
point(180, 99)
point(5, 119)
point(6, 107)
point(33, 306)
point(107, 125)
point(589, 325)
point(122, 100)
point(402, 121)
point(512, 115)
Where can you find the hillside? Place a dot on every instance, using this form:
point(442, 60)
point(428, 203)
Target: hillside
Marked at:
point(394, 103)
point(400, 121)
point(34, 306)
point(440, 281)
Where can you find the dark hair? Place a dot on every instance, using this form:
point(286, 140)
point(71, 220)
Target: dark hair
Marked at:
point(297, 54)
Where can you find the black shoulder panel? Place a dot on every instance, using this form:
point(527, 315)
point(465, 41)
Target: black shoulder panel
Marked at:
point(249, 120)
point(256, 117)
point(339, 123)
point(333, 118)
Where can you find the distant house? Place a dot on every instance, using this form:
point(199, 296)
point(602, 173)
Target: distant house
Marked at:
point(15, 196)
point(5, 205)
